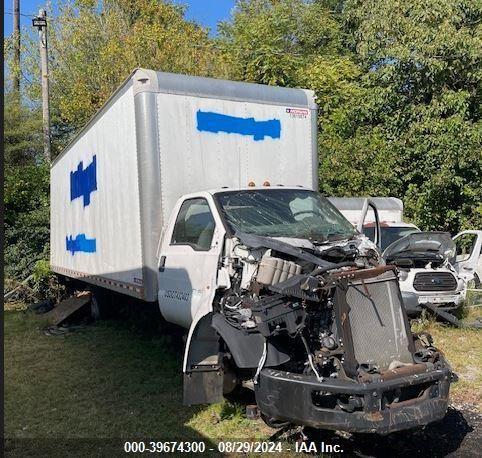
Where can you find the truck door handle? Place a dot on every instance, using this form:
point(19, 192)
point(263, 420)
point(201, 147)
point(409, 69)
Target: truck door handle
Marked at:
point(162, 262)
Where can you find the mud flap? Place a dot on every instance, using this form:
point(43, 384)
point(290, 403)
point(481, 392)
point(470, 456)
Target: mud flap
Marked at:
point(203, 387)
point(203, 372)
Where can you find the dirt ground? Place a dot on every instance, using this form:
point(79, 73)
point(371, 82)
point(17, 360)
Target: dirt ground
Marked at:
point(459, 434)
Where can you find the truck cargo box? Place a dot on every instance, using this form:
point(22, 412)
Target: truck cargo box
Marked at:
point(158, 137)
point(390, 209)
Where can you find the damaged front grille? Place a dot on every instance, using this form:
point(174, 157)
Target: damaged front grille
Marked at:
point(434, 281)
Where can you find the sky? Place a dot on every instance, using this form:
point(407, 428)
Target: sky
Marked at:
point(205, 12)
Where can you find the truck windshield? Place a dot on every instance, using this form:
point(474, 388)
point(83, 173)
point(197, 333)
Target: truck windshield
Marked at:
point(284, 213)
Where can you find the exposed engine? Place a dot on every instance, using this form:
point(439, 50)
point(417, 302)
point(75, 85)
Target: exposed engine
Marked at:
point(329, 311)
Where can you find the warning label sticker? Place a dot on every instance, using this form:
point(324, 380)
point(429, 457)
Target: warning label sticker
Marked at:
point(298, 112)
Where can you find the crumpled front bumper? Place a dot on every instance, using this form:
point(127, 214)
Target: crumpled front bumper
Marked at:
point(290, 397)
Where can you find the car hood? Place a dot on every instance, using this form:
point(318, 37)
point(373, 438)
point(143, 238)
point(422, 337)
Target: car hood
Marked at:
point(422, 245)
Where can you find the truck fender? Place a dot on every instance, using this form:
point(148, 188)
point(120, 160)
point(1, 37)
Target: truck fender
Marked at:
point(203, 373)
point(247, 348)
point(200, 330)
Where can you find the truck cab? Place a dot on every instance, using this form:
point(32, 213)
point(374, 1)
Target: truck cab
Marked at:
point(283, 296)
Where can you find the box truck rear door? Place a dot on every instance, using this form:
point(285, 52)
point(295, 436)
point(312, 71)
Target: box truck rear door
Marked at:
point(188, 261)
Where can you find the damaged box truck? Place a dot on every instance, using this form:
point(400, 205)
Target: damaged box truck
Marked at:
point(201, 194)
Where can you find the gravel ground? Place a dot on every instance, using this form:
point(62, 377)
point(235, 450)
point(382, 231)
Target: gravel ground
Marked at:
point(457, 435)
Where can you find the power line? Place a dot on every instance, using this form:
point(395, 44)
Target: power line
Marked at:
point(25, 15)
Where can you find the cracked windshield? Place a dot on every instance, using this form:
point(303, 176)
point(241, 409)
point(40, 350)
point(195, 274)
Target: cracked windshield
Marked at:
point(284, 213)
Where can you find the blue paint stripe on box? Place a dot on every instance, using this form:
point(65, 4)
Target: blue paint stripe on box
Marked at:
point(208, 121)
point(84, 181)
point(80, 243)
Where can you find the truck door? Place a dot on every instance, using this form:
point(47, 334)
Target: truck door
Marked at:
point(188, 260)
point(468, 261)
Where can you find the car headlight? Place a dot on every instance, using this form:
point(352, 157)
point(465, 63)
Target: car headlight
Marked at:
point(402, 275)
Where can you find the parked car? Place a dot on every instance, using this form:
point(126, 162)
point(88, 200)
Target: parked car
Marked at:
point(427, 268)
point(437, 268)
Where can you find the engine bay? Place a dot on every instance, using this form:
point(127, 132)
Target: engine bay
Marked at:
point(330, 312)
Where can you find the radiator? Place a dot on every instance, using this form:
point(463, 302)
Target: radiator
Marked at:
point(377, 321)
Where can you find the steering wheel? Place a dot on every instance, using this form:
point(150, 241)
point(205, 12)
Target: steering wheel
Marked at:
point(304, 211)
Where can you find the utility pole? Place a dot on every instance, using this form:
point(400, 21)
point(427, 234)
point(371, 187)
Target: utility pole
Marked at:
point(16, 39)
point(41, 23)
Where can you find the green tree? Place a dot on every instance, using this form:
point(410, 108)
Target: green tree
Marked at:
point(270, 42)
point(26, 190)
point(291, 43)
point(22, 132)
point(95, 45)
point(414, 128)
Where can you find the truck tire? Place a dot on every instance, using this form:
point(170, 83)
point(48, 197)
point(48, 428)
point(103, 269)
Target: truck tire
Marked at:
point(240, 395)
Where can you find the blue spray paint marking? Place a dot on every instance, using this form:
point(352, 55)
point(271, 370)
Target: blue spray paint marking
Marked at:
point(80, 243)
point(84, 181)
point(215, 122)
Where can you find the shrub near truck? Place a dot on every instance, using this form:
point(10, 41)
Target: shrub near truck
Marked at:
point(200, 194)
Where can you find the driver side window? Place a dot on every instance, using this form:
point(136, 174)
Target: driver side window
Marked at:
point(194, 225)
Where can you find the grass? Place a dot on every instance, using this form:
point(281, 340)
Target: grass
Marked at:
point(463, 349)
point(109, 380)
point(120, 378)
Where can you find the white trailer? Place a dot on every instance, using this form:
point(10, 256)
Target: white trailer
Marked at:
point(390, 209)
point(200, 194)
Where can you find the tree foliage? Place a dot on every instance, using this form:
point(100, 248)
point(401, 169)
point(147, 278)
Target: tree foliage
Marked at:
point(422, 89)
point(26, 201)
point(95, 45)
point(22, 132)
point(26, 185)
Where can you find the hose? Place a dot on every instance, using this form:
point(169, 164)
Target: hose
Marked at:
point(310, 359)
point(261, 362)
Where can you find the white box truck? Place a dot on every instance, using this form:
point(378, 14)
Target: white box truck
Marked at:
point(200, 194)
